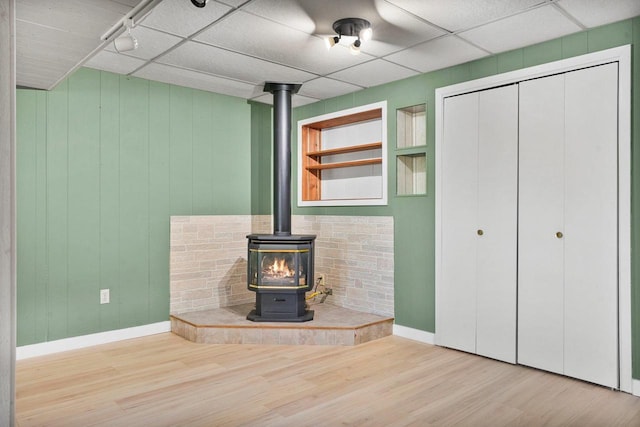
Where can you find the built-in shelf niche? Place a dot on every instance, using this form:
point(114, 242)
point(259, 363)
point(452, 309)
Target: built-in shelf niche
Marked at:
point(411, 125)
point(411, 145)
point(342, 158)
point(412, 174)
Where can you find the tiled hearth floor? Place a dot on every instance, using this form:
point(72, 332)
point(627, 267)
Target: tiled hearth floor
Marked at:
point(331, 325)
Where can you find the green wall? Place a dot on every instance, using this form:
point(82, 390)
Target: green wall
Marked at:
point(261, 164)
point(102, 162)
point(414, 216)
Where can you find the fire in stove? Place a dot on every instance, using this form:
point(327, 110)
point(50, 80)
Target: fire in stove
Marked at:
point(277, 270)
point(280, 269)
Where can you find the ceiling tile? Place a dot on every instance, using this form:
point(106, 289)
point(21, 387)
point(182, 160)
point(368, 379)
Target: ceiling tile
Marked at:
point(182, 18)
point(279, 43)
point(313, 16)
point(373, 73)
point(40, 73)
point(436, 54)
point(293, 13)
point(45, 55)
point(225, 63)
point(89, 18)
point(193, 79)
point(455, 15)
point(232, 3)
point(151, 43)
point(398, 30)
point(115, 63)
point(593, 13)
point(131, 3)
point(322, 88)
point(535, 26)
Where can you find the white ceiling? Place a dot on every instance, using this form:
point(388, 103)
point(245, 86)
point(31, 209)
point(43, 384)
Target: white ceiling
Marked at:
point(233, 46)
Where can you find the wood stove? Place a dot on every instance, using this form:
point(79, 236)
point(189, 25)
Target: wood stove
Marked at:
point(280, 265)
point(280, 271)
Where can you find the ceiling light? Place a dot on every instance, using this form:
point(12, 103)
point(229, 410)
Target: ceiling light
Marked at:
point(350, 27)
point(199, 3)
point(126, 42)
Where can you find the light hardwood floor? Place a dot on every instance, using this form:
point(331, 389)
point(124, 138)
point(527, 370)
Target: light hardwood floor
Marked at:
point(164, 380)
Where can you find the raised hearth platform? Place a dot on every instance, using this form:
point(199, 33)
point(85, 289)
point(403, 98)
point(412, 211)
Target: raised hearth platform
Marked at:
point(331, 325)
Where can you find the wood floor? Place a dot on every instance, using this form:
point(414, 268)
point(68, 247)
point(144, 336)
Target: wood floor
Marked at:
point(164, 380)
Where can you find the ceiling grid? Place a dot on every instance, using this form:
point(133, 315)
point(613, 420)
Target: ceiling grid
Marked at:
point(233, 46)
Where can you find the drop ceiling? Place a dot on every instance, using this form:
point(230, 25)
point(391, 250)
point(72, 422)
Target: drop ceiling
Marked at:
point(233, 46)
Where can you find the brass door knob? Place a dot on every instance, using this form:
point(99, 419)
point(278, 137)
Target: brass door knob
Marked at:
point(480, 232)
point(559, 234)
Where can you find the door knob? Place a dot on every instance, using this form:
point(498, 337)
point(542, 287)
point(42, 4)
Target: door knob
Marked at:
point(559, 234)
point(480, 232)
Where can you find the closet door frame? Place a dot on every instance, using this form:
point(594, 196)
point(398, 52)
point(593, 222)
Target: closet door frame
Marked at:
point(621, 55)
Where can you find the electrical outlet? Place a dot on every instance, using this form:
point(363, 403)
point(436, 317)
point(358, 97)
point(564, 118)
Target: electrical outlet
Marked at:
point(104, 296)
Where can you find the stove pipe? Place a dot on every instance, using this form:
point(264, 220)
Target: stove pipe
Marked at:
point(281, 155)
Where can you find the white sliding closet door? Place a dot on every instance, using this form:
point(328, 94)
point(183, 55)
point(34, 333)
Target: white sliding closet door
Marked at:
point(497, 218)
point(591, 224)
point(456, 291)
point(567, 278)
point(541, 216)
point(476, 296)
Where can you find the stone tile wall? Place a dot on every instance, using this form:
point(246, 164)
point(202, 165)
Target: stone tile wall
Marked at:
point(355, 254)
point(208, 260)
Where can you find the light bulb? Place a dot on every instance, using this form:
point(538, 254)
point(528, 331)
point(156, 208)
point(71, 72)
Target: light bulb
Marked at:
point(365, 34)
point(355, 47)
point(331, 41)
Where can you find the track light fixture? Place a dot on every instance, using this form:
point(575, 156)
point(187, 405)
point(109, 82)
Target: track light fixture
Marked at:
point(199, 3)
point(350, 27)
point(126, 42)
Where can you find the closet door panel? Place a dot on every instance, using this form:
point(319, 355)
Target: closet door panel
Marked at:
point(497, 218)
point(591, 225)
point(456, 292)
point(540, 213)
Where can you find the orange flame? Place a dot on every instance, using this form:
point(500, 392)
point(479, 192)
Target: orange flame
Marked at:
point(279, 269)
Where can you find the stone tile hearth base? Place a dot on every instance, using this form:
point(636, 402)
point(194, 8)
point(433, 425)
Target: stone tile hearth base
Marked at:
point(331, 325)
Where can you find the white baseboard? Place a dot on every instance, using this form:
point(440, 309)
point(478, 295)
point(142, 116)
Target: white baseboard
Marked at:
point(636, 388)
point(413, 334)
point(51, 347)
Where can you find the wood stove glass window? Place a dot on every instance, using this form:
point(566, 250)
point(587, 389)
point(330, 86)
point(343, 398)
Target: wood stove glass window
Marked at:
point(278, 268)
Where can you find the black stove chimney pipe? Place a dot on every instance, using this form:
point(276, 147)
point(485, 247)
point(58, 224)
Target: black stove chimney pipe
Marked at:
point(281, 155)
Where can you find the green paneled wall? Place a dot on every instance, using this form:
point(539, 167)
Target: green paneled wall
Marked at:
point(415, 215)
point(103, 161)
point(261, 163)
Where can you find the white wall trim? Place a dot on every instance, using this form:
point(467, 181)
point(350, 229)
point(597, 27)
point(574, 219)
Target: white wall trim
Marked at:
point(8, 252)
point(413, 334)
point(622, 55)
point(73, 343)
point(636, 388)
